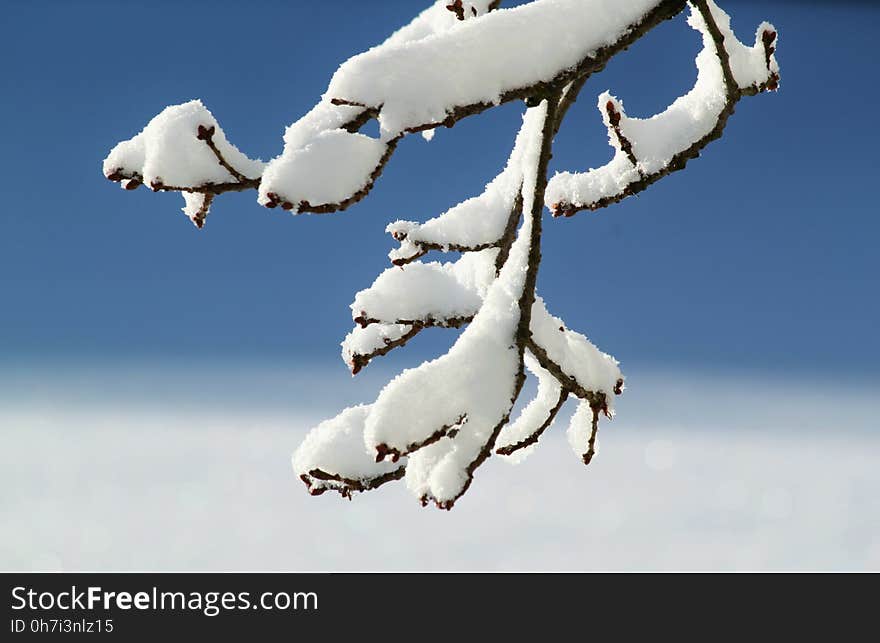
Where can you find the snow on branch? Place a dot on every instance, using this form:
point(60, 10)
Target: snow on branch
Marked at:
point(404, 301)
point(183, 149)
point(332, 457)
point(582, 431)
point(432, 426)
point(536, 417)
point(506, 55)
point(427, 294)
point(481, 222)
point(649, 149)
point(365, 343)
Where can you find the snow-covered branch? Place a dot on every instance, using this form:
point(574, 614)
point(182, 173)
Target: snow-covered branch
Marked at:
point(537, 416)
point(649, 149)
point(183, 149)
point(332, 457)
point(434, 425)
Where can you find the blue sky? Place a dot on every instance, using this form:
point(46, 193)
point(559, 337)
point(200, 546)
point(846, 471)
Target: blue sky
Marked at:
point(762, 255)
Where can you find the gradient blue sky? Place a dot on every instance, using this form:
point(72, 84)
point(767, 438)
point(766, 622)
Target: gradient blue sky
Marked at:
point(762, 255)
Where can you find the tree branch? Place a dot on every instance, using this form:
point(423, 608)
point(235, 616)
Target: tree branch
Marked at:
point(678, 161)
point(274, 200)
point(383, 451)
point(428, 322)
point(360, 360)
point(347, 486)
point(594, 430)
point(614, 125)
point(206, 134)
point(527, 298)
point(568, 382)
point(536, 435)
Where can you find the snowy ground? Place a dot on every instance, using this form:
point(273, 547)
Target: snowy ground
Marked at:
point(142, 471)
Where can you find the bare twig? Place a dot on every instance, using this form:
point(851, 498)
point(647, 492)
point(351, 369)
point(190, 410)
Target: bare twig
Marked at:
point(622, 140)
point(200, 216)
point(594, 430)
point(347, 486)
point(207, 134)
point(429, 322)
point(425, 247)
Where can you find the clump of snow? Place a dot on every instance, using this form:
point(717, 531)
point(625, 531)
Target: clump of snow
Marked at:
point(478, 61)
point(436, 19)
point(580, 428)
point(168, 151)
point(332, 167)
point(367, 340)
point(428, 291)
point(533, 416)
point(336, 447)
point(592, 369)
point(196, 206)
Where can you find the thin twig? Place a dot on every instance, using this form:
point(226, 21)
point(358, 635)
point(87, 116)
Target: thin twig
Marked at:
point(536, 435)
point(360, 360)
point(206, 134)
point(428, 322)
point(614, 124)
point(594, 430)
point(347, 486)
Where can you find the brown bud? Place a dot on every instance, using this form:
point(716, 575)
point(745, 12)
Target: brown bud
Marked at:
point(383, 451)
point(456, 8)
point(613, 114)
point(205, 133)
point(273, 200)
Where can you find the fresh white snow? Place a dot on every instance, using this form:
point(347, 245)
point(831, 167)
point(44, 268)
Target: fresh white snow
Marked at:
point(330, 168)
point(428, 291)
point(420, 82)
point(123, 468)
point(533, 415)
point(336, 446)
